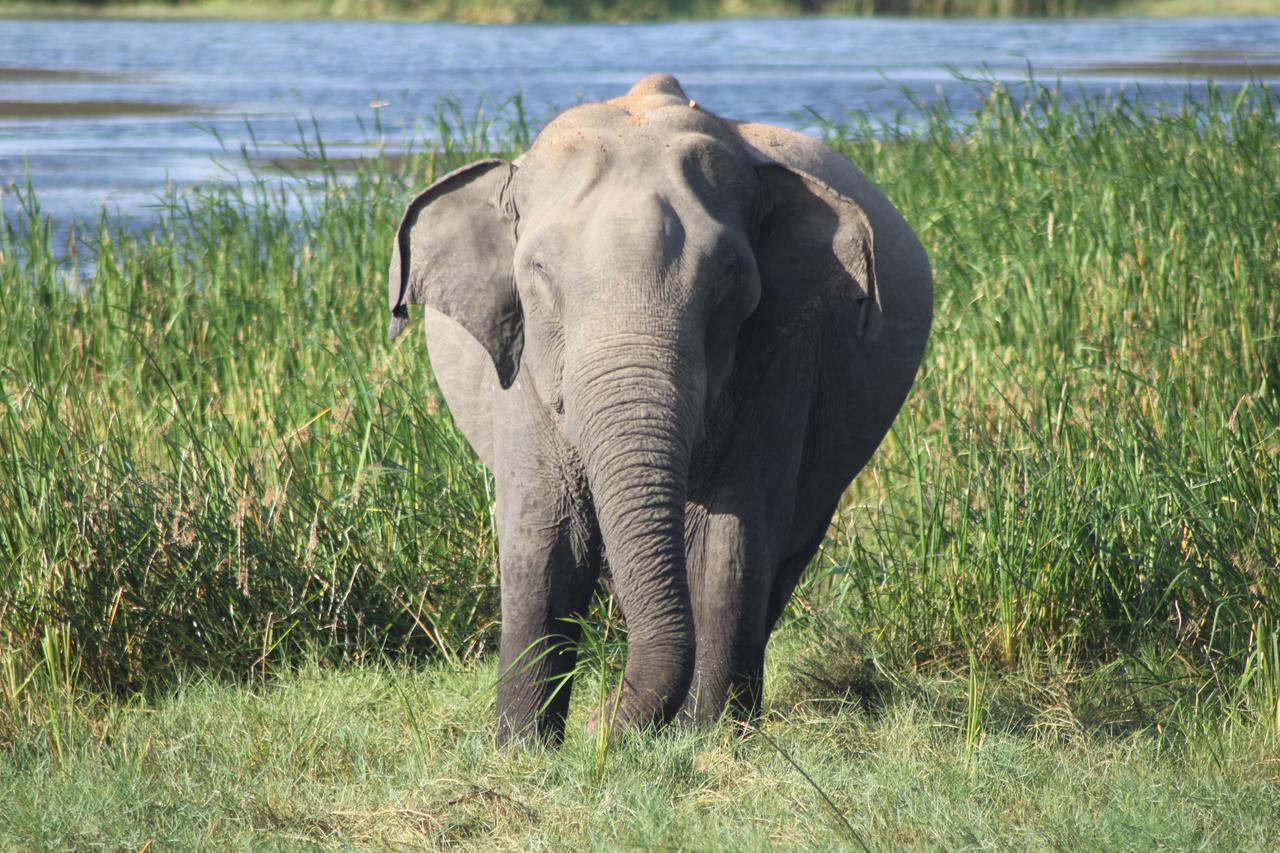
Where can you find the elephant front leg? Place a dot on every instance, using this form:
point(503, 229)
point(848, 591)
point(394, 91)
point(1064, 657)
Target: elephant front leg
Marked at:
point(729, 586)
point(547, 575)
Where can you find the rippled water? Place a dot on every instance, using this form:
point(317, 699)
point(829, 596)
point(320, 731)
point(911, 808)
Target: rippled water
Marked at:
point(222, 76)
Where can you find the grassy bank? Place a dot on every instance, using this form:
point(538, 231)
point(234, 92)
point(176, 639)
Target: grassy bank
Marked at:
point(510, 11)
point(378, 757)
point(213, 466)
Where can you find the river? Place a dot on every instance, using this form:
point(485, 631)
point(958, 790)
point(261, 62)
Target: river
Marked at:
point(111, 113)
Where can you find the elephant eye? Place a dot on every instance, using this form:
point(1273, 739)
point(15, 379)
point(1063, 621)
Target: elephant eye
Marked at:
point(543, 284)
point(540, 273)
point(729, 268)
point(727, 257)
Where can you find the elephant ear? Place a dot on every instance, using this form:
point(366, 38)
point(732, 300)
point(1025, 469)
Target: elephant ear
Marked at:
point(815, 252)
point(453, 252)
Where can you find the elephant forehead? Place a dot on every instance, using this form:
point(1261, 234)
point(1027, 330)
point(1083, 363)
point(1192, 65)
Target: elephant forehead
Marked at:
point(574, 157)
point(630, 123)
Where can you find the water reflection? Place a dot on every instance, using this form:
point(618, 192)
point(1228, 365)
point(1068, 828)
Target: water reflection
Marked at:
point(111, 112)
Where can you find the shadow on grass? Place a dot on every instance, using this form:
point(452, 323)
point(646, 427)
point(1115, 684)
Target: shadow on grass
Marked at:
point(1049, 701)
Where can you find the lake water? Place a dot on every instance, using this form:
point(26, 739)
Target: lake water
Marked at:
point(82, 103)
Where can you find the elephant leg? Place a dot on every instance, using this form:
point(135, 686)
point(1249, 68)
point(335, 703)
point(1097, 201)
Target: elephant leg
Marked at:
point(548, 557)
point(792, 568)
point(728, 575)
point(737, 603)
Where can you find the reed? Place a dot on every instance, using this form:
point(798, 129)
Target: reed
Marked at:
point(214, 465)
point(1088, 467)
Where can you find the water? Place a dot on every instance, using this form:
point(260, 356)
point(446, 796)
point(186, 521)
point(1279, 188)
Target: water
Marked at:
point(225, 77)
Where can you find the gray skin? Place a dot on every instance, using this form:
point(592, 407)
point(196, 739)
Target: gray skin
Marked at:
point(674, 340)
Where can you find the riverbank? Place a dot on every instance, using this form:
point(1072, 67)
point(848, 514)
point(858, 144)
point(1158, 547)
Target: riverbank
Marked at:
point(523, 11)
point(249, 583)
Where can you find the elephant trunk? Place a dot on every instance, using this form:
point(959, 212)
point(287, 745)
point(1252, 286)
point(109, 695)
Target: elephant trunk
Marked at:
point(630, 415)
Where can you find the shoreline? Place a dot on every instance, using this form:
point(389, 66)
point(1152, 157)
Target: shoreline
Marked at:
point(480, 12)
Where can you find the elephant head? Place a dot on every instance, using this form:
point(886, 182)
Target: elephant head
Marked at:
point(624, 268)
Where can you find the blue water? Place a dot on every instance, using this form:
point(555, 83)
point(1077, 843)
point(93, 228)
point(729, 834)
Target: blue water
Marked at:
point(271, 75)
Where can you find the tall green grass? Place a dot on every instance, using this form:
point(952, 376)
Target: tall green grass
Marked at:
point(211, 457)
point(1089, 467)
point(212, 462)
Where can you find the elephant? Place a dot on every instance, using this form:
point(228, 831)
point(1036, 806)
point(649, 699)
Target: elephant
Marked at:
point(674, 339)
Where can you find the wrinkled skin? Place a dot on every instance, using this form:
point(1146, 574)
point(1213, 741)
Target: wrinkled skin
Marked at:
point(675, 340)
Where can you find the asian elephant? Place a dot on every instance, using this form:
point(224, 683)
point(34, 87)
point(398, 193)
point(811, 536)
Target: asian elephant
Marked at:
point(674, 339)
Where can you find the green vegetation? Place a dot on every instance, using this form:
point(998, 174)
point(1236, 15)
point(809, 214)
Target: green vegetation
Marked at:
point(508, 11)
point(247, 568)
point(395, 757)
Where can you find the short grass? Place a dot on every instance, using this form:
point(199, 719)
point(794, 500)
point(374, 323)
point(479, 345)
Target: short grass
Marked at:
point(378, 756)
point(1048, 613)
